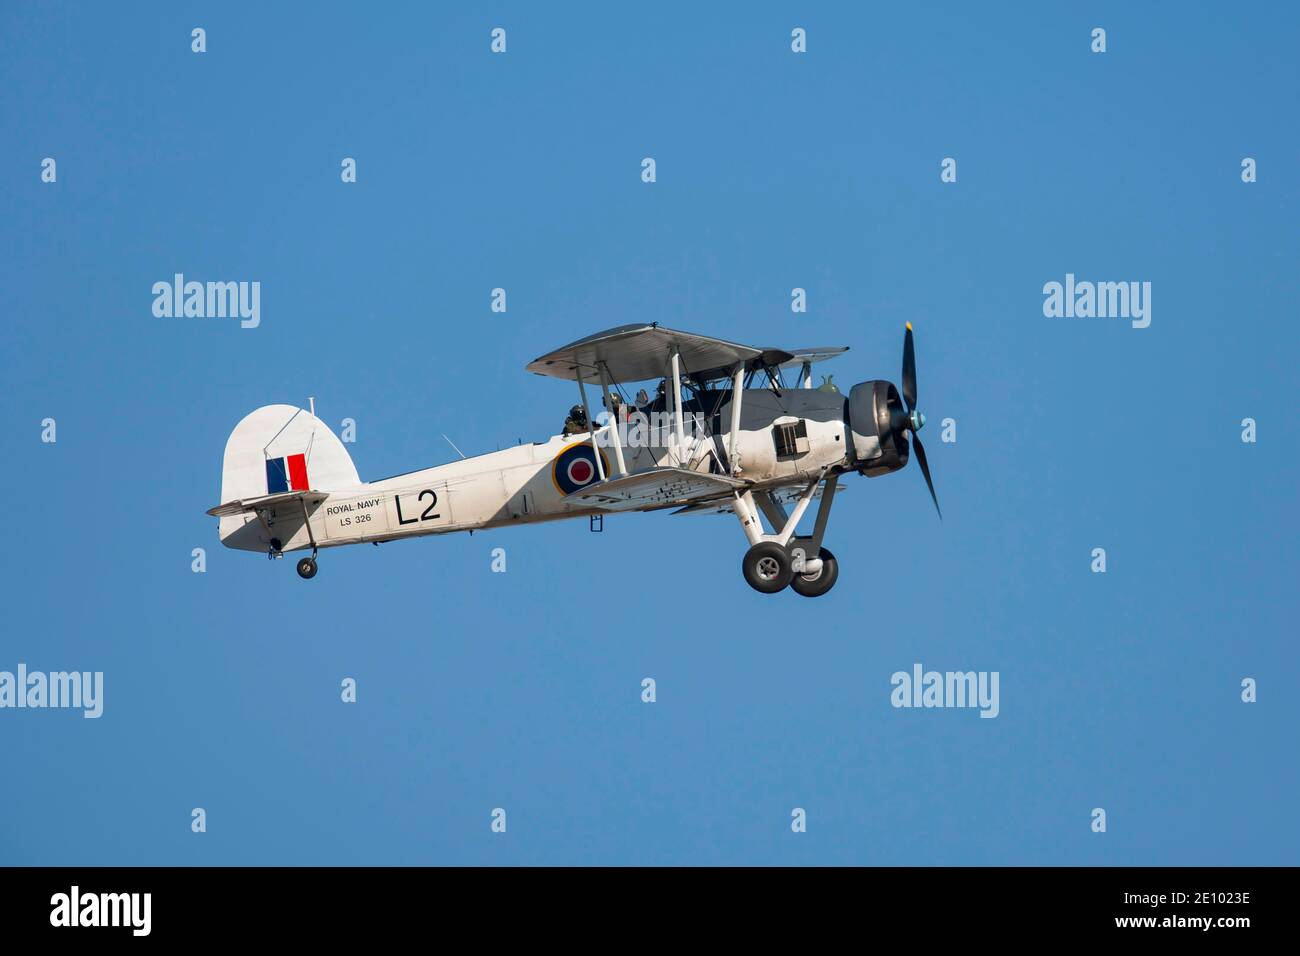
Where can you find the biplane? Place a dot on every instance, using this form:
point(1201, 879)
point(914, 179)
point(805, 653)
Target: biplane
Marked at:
point(722, 433)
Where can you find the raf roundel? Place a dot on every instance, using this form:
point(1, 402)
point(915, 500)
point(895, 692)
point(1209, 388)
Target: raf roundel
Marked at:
point(575, 468)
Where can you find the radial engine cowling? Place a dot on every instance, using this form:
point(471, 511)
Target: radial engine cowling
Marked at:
point(878, 422)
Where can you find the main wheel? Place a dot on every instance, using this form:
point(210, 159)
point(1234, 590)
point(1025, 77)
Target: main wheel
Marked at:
point(815, 585)
point(307, 568)
point(767, 567)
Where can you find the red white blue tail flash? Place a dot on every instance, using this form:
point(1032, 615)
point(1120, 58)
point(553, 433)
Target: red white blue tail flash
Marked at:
point(286, 474)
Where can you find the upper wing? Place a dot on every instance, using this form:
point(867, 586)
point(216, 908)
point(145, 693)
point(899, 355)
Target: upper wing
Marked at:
point(655, 488)
point(799, 357)
point(636, 353)
point(266, 502)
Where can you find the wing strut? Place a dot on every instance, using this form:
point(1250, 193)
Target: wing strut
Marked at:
point(677, 404)
point(586, 411)
point(737, 391)
point(609, 406)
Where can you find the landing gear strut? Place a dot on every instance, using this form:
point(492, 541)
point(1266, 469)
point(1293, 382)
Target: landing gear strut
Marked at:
point(307, 566)
point(775, 561)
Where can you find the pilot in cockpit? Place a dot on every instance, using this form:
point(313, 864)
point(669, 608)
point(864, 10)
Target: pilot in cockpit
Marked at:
point(576, 423)
point(615, 407)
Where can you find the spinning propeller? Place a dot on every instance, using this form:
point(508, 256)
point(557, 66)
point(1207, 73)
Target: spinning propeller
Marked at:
point(915, 421)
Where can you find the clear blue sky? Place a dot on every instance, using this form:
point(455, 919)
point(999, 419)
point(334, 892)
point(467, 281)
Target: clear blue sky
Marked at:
point(775, 170)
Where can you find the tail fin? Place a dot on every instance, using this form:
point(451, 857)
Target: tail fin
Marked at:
point(275, 449)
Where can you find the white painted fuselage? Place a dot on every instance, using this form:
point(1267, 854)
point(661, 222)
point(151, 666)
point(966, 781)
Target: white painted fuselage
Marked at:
point(527, 483)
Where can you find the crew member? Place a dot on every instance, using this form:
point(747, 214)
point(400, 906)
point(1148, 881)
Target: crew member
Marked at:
point(576, 423)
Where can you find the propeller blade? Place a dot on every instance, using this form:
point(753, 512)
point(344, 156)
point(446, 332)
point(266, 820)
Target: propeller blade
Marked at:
point(909, 370)
point(925, 470)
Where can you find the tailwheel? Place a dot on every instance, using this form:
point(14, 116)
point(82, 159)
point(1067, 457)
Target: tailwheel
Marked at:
point(815, 585)
point(766, 567)
point(307, 568)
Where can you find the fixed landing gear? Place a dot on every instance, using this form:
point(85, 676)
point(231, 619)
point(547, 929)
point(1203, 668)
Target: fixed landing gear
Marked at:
point(766, 567)
point(817, 584)
point(780, 559)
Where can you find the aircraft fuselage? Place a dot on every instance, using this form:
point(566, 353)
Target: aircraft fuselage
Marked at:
point(527, 483)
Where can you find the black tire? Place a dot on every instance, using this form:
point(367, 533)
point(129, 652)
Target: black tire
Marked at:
point(820, 583)
point(307, 568)
point(766, 567)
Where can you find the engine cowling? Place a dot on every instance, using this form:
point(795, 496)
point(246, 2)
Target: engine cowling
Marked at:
point(878, 423)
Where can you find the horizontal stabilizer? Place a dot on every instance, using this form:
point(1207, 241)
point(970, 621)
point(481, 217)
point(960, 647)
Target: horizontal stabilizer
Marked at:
point(266, 502)
point(654, 488)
